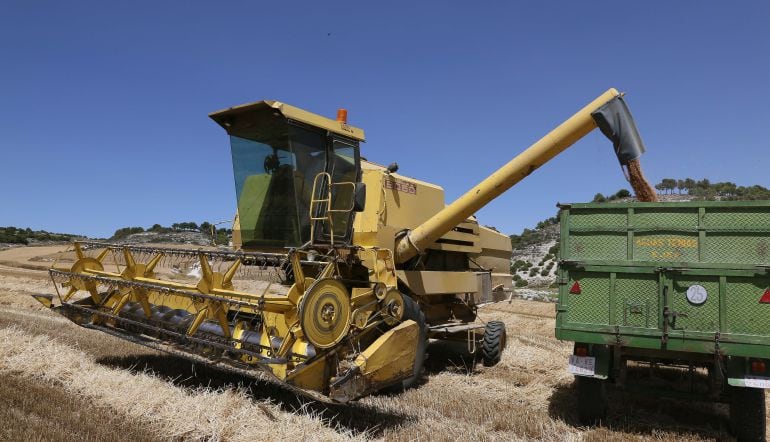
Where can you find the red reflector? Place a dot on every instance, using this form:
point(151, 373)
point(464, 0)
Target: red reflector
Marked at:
point(758, 367)
point(581, 351)
point(765, 299)
point(576, 290)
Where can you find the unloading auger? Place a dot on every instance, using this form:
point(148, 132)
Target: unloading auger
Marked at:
point(331, 289)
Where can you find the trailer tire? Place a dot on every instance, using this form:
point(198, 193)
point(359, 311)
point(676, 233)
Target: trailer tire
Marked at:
point(747, 413)
point(591, 400)
point(493, 343)
point(413, 311)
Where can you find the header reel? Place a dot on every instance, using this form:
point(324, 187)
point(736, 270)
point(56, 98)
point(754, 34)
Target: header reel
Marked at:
point(204, 303)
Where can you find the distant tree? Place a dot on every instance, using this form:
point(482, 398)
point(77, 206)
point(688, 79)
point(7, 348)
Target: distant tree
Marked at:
point(157, 228)
point(622, 193)
point(185, 226)
point(689, 184)
point(728, 189)
point(599, 198)
point(668, 184)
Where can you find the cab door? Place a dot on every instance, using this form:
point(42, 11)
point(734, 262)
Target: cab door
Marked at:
point(344, 168)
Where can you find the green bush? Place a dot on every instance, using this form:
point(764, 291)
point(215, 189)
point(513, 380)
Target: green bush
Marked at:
point(224, 236)
point(545, 272)
point(533, 271)
point(554, 250)
point(125, 231)
point(157, 228)
point(518, 264)
point(516, 277)
point(16, 235)
point(522, 283)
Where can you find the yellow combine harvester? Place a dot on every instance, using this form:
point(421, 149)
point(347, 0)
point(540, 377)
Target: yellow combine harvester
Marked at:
point(361, 265)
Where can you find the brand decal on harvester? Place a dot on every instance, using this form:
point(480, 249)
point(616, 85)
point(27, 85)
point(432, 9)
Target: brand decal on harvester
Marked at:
point(399, 185)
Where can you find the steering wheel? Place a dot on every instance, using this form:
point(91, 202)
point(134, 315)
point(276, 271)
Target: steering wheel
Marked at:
point(271, 164)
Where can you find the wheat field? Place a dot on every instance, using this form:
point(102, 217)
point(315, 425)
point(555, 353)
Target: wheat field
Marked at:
point(62, 382)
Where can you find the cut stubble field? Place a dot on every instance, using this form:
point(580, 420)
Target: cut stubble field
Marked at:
point(62, 382)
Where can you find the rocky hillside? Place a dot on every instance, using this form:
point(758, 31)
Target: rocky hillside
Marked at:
point(534, 259)
point(181, 237)
point(179, 233)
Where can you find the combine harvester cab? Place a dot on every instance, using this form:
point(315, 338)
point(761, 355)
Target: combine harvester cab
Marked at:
point(669, 285)
point(332, 289)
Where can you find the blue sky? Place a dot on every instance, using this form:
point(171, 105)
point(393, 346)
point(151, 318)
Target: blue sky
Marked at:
point(103, 106)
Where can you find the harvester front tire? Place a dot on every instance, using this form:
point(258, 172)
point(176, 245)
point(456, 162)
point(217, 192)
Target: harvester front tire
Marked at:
point(747, 413)
point(413, 311)
point(493, 343)
point(591, 400)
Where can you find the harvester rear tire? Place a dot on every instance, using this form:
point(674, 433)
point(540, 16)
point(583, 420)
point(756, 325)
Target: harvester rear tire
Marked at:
point(413, 311)
point(591, 400)
point(493, 343)
point(747, 413)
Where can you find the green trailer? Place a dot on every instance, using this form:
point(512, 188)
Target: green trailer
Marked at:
point(668, 284)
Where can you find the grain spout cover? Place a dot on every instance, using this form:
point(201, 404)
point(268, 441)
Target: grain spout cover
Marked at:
point(616, 123)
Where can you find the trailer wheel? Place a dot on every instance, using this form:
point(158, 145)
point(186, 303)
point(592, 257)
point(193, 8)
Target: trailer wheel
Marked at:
point(493, 343)
point(413, 311)
point(592, 400)
point(747, 413)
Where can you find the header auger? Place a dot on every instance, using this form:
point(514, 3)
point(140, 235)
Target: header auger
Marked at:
point(332, 289)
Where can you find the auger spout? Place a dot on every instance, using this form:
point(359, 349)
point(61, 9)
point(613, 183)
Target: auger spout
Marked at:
point(555, 142)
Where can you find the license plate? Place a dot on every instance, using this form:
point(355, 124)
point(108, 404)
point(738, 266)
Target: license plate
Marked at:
point(582, 365)
point(757, 382)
